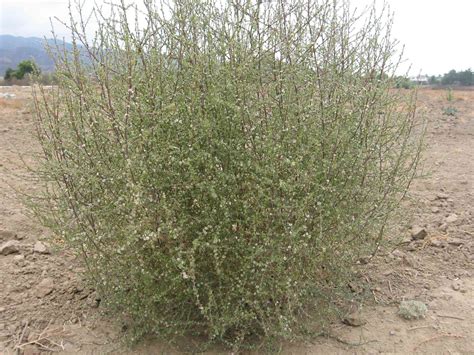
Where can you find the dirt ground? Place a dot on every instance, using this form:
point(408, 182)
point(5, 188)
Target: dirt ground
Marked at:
point(45, 307)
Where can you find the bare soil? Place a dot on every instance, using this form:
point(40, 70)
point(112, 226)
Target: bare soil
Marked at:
point(45, 307)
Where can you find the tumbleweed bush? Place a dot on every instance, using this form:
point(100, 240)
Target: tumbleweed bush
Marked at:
point(220, 166)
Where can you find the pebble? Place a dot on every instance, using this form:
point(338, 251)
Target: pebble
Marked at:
point(455, 242)
point(7, 234)
point(10, 247)
point(354, 320)
point(442, 196)
point(397, 253)
point(437, 243)
point(40, 248)
point(45, 287)
point(443, 227)
point(418, 233)
point(435, 209)
point(452, 218)
point(409, 260)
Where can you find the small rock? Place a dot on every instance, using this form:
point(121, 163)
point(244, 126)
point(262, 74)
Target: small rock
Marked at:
point(443, 227)
point(354, 320)
point(19, 260)
point(456, 286)
point(45, 287)
point(19, 257)
point(406, 240)
point(397, 253)
point(93, 300)
point(40, 248)
point(76, 289)
point(455, 242)
point(10, 247)
point(7, 235)
point(392, 332)
point(409, 260)
point(437, 243)
point(355, 287)
point(435, 210)
point(418, 233)
point(442, 196)
point(453, 217)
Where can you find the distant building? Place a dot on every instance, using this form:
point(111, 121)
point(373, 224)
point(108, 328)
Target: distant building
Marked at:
point(420, 79)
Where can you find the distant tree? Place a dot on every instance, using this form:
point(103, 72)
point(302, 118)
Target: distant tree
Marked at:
point(466, 77)
point(26, 67)
point(450, 78)
point(9, 74)
point(402, 82)
point(433, 80)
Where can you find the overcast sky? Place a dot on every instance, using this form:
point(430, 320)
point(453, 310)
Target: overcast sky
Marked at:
point(438, 35)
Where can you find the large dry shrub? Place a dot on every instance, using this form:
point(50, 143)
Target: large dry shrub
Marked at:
point(221, 166)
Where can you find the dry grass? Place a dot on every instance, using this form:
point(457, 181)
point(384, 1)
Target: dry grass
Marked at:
point(15, 104)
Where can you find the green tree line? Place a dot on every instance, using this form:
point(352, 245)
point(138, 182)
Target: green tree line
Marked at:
point(25, 67)
point(464, 78)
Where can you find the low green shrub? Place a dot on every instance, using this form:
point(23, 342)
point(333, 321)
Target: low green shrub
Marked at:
point(403, 82)
point(221, 169)
point(450, 111)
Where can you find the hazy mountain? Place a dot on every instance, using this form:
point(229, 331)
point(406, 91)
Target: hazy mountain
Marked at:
point(14, 49)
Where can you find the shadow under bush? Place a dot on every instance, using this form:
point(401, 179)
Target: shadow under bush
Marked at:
point(221, 169)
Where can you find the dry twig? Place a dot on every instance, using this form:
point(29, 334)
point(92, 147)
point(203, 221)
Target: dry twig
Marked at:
point(439, 336)
point(421, 327)
point(449, 316)
point(43, 340)
point(345, 342)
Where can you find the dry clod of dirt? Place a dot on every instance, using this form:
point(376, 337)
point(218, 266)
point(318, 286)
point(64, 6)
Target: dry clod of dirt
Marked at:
point(418, 233)
point(45, 287)
point(442, 196)
point(457, 286)
point(398, 254)
point(7, 235)
point(40, 248)
point(443, 227)
point(10, 247)
point(354, 320)
point(453, 217)
point(412, 309)
point(19, 257)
